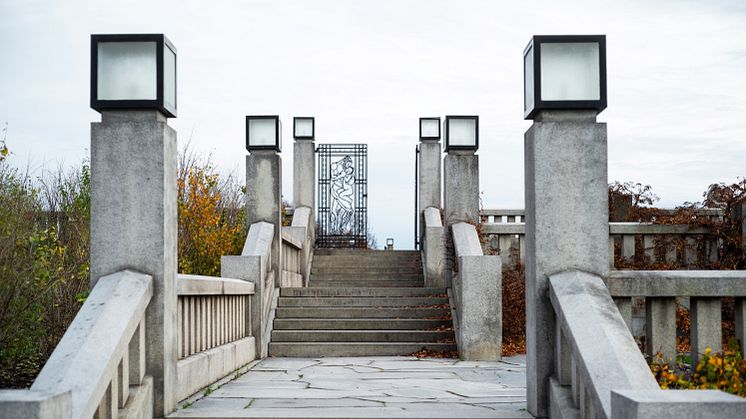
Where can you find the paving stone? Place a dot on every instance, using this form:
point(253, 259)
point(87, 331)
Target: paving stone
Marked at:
point(376, 387)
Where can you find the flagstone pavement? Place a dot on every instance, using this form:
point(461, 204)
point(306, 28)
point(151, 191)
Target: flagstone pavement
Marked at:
point(370, 387)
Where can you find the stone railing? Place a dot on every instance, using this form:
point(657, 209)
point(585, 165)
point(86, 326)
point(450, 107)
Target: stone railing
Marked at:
point(660, 290)
point(297, 249)
point(433, 249)
point(98, 368)
point(255, 265)
point(478, 281)
point(213, 330)
point(599, 372)
point(682, 243)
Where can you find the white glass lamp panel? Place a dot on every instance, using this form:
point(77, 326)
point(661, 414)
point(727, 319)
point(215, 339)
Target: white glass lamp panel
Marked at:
point(430, 128)
point(570, 71)
point(528, 79)
point(169, 77)
point(303, 127)
point(262, 132)
point(127, 71)
point(462, 132)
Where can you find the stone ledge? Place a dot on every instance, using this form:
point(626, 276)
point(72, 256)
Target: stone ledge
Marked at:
point(677, 283)
point(211, 285)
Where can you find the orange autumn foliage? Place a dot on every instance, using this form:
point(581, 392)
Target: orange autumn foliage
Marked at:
point(211, 217)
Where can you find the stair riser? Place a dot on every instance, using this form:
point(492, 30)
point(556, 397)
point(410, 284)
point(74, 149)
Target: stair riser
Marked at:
point(371, 278)
point(319, 350)
point(362, 270)
point(358, 312)
point(360, 292)
point(365, 284)
point(359, 301)
point(360, 336)
point(359, 324)
point(358, 252)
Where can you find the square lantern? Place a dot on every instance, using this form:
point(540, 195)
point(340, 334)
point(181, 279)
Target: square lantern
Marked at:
point(461, 133)
point(303, 128)
point(429, 128)
point(564, 72)
point(263, 132)
point(136, 71)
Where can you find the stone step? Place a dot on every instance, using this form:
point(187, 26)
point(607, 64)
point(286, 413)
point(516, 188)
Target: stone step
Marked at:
point(363, 252)
point(356, 267)
point(366, 277)
point(365, 284)
point(359, 324)
point(361, 292)
point(340, 349)
point(359, 301)
point(360, 312)
point(434, 336)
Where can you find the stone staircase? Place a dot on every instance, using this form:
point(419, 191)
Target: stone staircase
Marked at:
point(362, 303)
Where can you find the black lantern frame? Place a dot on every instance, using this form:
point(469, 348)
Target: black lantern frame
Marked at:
point(159, 103)
point(278, 133)
point(313, 128)
point(534, 46)
point(449, 146)
point(422, 137)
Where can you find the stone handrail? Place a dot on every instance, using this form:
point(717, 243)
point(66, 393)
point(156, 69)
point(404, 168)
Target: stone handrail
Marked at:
point(599, 370)
point(660, 290)
point(98, 367)
point(506, 232)
point(433, 249)
point(297, 249)
point(595, 353)
point(478, 280)
point(213, 330)
point(255, 265)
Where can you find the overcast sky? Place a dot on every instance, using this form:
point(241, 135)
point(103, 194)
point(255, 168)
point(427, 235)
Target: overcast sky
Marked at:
point(368, 70)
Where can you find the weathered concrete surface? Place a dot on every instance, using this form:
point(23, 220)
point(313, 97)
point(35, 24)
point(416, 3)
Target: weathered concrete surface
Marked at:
point(604, 351)
point(461, 192)
point(251, 268)
point(706, 326)
point(304, 173)
point(264, 197)
point(433, 249)
point(660, 327)
point(478, 296)
point(567, 225)
point(680, 404)
point(429, 179)
point(677, 283)
point(86, 359)
point(140, 403)
point(32, 404)
point(204, 368)
point(133, 224)
point(390, 387)
point(210, 285)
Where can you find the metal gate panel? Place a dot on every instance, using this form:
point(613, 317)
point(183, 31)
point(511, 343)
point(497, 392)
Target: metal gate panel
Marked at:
point(342, 196)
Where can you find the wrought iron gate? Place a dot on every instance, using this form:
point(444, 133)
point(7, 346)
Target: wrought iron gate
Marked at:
point(342, 196)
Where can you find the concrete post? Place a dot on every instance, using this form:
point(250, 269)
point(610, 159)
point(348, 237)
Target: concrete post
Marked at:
point(460, 196)
point(429, 179)
point(304, 178)
point(264, 198)
point(133, 226)
point(567, 225)
point(461, 193)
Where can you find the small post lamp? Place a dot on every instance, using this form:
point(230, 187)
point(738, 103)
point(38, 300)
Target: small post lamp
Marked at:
point(389, 244)
point(564, 72)
point(461, 133)
point(135, 71)
point(429, 129)
point(263, 132)
point(304, 128)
